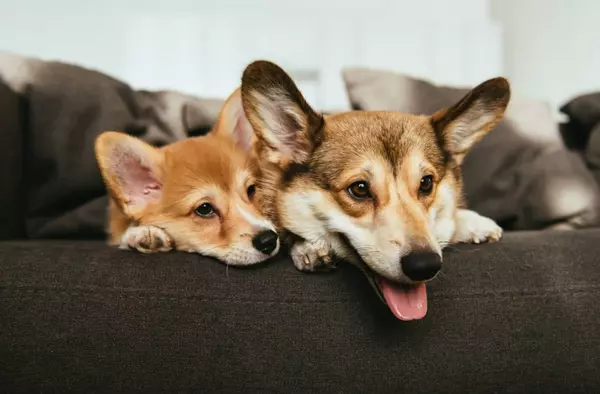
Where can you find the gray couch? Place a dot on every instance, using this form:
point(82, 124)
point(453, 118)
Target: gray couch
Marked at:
point(520, 316)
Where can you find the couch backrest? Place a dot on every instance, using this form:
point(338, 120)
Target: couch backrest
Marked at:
point(12, 196)
point(51, 114)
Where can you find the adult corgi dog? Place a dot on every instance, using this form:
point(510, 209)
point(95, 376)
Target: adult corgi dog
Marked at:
point(195, 195)
point(379, 189)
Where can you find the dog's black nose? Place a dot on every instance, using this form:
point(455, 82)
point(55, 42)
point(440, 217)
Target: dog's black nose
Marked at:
point(421, 265)
point(265, 241)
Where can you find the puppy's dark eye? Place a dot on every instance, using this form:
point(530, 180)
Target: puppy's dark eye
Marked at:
point(205, 210)
point(359, 190)
point(251, 191)
point(426, 185)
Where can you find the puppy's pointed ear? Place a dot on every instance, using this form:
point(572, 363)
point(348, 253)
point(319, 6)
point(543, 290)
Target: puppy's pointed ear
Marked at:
point(465, 123)
point(131, 170)
point(287, 127)
point(233, 123)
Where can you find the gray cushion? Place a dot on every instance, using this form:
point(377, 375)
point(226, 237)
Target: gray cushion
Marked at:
point(584, 126)
point(12, 203)
point(66, 108)
point(583, 112)
point(519, 174)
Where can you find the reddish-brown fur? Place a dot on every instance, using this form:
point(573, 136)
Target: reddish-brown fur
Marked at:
point(191, 164)
point(215, 169)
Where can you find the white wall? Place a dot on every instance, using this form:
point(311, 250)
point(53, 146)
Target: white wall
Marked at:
point(551, 47)
point(201, 47)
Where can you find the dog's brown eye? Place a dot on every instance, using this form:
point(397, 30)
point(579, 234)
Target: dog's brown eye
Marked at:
point(205, 210)
point(251, 191)
point(359, 190)
point(426, 185)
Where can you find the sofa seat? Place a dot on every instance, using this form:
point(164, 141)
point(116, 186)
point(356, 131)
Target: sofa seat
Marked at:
point(521, 316)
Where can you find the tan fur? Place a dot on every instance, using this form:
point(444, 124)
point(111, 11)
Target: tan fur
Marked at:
point(309, 162)
point(215, 169)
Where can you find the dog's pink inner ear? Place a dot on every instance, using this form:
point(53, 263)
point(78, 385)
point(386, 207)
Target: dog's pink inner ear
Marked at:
point(242, 131)
point(233, 122)
point(285, 126)
point(280, 115)
point(139, 184)
point(465, 123)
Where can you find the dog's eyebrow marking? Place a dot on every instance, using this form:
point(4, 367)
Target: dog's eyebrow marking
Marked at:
point(242, 177)
point(207, 192)
point(417, 165)
point(203, 193)
point(372, 168)
point(363, 170)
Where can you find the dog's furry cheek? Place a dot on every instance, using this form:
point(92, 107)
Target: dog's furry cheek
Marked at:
point(300, 214)
point(444, 230)
point(433, 213)
point(442, 213)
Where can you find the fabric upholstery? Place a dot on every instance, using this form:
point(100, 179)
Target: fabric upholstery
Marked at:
point(583, 114)
point(520, 316)
point(12, 204)
point(583, 127)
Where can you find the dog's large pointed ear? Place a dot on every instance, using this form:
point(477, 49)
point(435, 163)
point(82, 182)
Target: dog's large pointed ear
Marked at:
point(233, 123)
point(132, 171)
point(286, 126)
point(465, 123)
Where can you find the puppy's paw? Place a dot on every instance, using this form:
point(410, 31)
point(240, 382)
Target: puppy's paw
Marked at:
point(146, 239)
point(310, 256)
point(471, 227)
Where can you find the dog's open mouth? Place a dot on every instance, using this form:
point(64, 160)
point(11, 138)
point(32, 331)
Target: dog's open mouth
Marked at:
point(407, 302)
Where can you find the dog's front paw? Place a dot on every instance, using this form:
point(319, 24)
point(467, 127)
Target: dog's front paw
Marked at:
point(146, 239)
point(310, 256)
point(471, 227)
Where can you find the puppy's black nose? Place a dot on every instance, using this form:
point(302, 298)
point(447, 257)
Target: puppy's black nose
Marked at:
point(265, 241)
point(421, 265)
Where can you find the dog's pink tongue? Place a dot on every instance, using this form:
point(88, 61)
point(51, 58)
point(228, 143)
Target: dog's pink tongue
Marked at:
point(406, 302)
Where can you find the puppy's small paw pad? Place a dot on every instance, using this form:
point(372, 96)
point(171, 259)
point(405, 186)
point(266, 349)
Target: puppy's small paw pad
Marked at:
point(310, 256)
point(146, 239)
point(474, 228)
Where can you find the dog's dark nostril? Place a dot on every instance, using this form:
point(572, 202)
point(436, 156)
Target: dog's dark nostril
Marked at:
point(421, 265)
point(265, 241)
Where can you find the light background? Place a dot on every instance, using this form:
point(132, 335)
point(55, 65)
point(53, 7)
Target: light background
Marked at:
point(548, 48)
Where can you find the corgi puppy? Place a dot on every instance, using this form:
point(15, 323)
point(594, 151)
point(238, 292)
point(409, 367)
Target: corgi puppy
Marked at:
point(379, 189)
point(196, 195)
